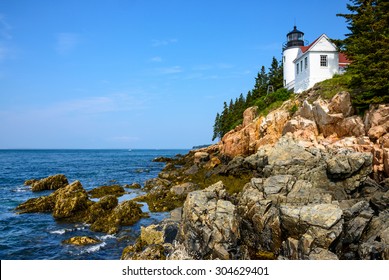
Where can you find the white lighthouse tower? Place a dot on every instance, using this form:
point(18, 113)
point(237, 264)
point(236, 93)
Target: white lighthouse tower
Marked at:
point(295, 39)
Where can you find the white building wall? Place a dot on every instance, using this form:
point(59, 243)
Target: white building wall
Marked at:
point(315, 73)
point(289, 55)
point(303, 73)
point(320, 73)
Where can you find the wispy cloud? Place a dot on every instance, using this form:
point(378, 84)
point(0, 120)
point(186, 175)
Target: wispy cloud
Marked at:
point(160, 43)
point(170, 70)
point(3, 52)
point(5, 28)
point(66, 42)
point(218, 66)
point(90, 106)
point(5, 38)
point(156, 59)
point(117, 102)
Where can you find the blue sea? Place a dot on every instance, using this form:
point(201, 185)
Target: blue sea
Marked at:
point(38, 236)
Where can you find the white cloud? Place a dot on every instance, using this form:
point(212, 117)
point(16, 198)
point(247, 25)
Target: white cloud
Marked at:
point(67, 42)
point(160, 43)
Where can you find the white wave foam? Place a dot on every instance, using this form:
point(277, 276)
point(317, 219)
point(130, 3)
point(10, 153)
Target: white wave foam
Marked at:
point(59, 231)
point(109, 236)
point(21, 189)
point(94, 248)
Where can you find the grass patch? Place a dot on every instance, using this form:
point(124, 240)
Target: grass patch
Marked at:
point(329, 88)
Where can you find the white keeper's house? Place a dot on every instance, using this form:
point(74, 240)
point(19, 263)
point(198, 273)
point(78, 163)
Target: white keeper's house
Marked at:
point(304, 65)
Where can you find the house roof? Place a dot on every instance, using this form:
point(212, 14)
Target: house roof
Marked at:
point(343, 60)
point(304, 49)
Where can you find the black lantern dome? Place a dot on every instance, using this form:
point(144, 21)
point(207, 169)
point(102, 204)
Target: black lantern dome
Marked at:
point(295, 38)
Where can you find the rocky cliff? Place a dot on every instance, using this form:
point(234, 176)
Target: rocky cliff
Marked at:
point(307, 181)
point(322, 123)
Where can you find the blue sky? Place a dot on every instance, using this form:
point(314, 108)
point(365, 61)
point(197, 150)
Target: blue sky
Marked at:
point(138, 73)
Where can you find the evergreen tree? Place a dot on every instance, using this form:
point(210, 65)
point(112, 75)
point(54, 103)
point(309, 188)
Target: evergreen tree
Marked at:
point(276, 74)
point(367, 46)
point(216, 127)
point(232, 114)
point(249, 99)
point(261, 82)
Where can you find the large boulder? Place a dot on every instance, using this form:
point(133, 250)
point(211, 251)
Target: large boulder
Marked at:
point(183, 189)
point(260, 224)
point(37, 205)
point(156, 182)
point(209, 227)
point(50, 183)
point(301, 128)
point(101, 208)
point(378, 115)
point(323, 222)
point(374, 243)
point(200, 157)
point(341, 103)
point(71, 202)
point(126, 213)
point(249, 115)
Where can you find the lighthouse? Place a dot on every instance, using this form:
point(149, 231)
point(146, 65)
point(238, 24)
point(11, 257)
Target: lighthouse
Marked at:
point(295, 39)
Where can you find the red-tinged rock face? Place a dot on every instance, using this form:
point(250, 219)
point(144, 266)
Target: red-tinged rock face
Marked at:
point(323, 123)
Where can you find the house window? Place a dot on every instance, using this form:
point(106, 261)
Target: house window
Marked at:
point(297, 67)
point(301, 66)
point(324, 60)
point(306, 63)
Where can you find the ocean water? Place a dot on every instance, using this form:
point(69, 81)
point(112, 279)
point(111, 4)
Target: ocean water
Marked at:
point(38, 236)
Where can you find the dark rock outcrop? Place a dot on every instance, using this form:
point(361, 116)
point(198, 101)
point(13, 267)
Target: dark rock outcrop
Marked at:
point(107, 190)
point(209, 227)
point(72, 204)
point(126, 213)
point(50, 183)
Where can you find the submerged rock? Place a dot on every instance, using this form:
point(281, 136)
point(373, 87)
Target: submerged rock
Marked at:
point(133, 186)
point(81, 241)
point(107, 190)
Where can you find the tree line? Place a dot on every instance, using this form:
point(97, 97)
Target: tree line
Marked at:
point(367, 46)
point(232, 113)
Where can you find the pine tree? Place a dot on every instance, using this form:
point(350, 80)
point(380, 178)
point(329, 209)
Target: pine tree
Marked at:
point(276, 74)
point(216, 127)
point(261, 83)
point(367, 46)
